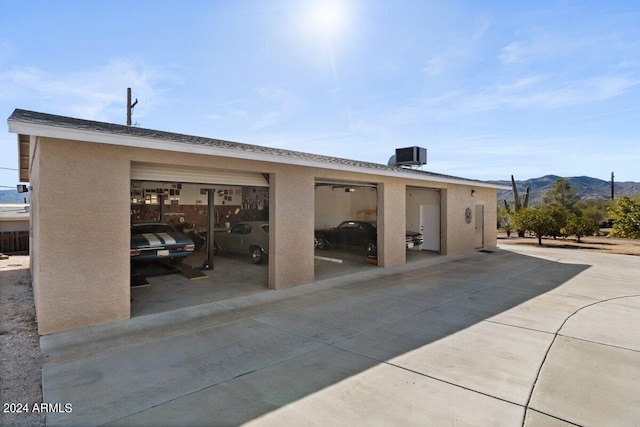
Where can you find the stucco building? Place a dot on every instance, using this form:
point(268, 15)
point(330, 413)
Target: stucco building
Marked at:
point(86, 176)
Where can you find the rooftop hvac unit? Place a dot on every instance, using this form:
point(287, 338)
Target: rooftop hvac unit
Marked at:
point(411, 156)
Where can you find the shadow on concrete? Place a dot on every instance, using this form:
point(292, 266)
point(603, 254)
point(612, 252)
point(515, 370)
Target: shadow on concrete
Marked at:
point(247, 357)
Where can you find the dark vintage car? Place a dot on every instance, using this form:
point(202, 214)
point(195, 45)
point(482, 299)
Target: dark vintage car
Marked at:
point(153, 241)
point(360, 234)
point(249, 237)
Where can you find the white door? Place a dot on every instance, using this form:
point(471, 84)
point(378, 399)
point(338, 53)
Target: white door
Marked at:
point(430, 226)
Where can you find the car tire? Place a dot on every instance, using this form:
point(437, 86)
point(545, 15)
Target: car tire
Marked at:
point(372, 249)
point(321, 243)
point(257, 255)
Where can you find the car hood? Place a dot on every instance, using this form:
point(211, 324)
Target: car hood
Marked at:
point(150, 240)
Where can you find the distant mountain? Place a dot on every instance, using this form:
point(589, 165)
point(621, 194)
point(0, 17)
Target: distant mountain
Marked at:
point(587, 187)
point(12, 196)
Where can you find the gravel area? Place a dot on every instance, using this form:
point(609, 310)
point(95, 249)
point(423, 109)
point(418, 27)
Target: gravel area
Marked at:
point(20, 357)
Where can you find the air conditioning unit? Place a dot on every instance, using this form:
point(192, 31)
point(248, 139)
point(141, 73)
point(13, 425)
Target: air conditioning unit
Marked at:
point(411, 156)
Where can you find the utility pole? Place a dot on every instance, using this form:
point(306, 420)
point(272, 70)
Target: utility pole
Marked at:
point(612, 186)
point(130, 106)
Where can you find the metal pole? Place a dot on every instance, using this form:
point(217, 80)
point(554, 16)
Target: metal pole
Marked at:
point(612, 186)
point(128, 106)
point(208, 264)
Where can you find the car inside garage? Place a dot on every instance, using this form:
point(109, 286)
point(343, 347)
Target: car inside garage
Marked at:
point(172, 263)
point(345, 236)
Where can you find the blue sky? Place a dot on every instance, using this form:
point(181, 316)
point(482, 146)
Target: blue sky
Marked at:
point(490, 88)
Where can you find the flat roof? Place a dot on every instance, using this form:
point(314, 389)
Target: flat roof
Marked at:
point(30, 123)
point(14, 212)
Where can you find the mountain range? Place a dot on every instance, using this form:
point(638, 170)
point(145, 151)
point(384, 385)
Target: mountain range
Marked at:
point(587, 187)
point(12, 196)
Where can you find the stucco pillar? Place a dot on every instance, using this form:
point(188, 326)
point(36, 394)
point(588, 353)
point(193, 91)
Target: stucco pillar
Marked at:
point(392, 224)
point(81, 241)
point(291, 225)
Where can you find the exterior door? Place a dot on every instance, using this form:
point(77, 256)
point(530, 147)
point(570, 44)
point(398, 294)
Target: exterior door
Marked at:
point(430, 227)
point(479, 234)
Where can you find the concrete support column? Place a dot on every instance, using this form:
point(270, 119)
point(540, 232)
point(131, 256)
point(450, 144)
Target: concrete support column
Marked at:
point(291, 225)
point(392, 224)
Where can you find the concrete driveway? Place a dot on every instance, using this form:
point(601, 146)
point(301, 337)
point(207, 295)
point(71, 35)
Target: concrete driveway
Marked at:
point(519, 336)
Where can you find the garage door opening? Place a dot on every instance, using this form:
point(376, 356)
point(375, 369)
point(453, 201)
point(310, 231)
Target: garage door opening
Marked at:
point(345, 237)
point(174, 270)
point(423, 216)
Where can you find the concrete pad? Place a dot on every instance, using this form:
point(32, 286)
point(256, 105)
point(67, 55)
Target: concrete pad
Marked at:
point(589, 384)
point(490, 358)
point(537, 419)
point(545, 313)
point(84, 342)
point(389, 396)
point(614, 323)
point(336, 319)
point(487, 302)
point(262, 391)
point(405, 335)
point(109, 385)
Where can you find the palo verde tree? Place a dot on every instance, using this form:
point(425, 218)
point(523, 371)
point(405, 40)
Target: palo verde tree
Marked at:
point(562, 194)
point(626, 212)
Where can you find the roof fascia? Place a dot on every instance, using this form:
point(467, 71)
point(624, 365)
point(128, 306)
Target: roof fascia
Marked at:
point(151, 143)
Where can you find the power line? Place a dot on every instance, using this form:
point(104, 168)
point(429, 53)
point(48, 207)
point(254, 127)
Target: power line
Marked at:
point(9, 169)
point(6, 186)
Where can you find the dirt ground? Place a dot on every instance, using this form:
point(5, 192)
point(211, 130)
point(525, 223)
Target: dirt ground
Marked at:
point(21, 360)
point(20, 357)
point(602, 244)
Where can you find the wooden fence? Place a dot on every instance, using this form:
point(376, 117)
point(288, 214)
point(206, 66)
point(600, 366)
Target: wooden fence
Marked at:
point(14, 242)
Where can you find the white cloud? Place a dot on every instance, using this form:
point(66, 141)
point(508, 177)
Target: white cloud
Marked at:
point(97, 94)
point(461, 47)
point(283, 102)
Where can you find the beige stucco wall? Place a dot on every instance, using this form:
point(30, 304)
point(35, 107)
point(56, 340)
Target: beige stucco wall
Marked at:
point(81, 216)
point(391, 223)
point(458, 235)
point(81, 235)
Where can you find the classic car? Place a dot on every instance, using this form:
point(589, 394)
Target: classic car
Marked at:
point(413, 238)
point(360, 234)
point(249, 237)
point(153, 241)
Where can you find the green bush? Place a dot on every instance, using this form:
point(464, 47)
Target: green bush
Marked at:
point(626, 212)
point(579, 226)
point(541, 221)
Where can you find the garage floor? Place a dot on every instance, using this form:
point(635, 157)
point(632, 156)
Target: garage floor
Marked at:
point(234, 276)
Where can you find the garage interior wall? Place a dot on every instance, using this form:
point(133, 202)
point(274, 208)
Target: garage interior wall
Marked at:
point(78, 262)
point(334, 206)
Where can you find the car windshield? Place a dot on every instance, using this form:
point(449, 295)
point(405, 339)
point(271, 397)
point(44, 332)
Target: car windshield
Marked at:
point(151, 228)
